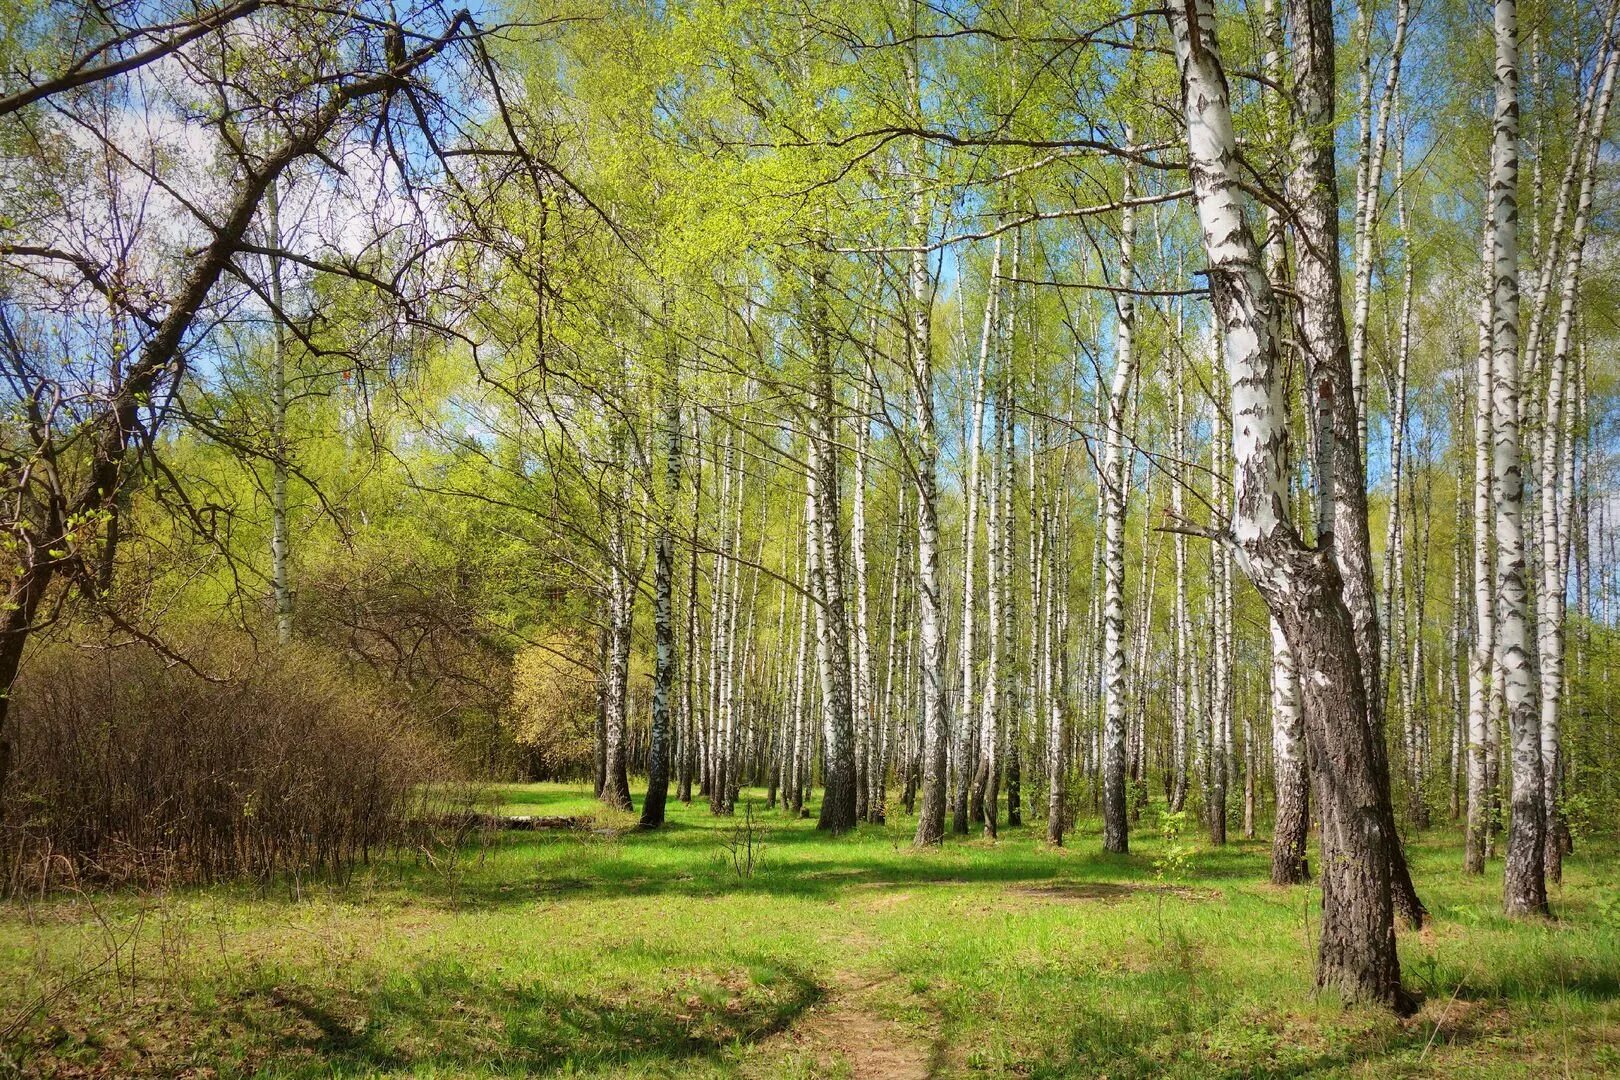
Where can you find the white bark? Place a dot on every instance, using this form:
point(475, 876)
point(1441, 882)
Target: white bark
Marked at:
point(1524, 887)
point(1116, 828)
point(281, 590)
point(1369, 182)
point(1554, 481)
point(864, 707)
point(1301, 586)
point(1480, 666)
point(966, 713)
point(1394, 624)
point(931, 820)
point(1180, 706)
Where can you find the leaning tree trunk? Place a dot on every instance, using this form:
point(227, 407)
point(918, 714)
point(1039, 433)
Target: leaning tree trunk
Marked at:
point(1524, 887)
point(1555, 481)
point(1301, 586)
point(1313, 189)
point(22, 603)
point(117, 423)
point(1369, 182)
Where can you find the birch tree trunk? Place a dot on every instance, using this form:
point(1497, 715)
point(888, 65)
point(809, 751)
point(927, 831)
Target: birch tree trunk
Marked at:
point(1116, 826)
point(731, 712)
point(1220, 715)
point(1394, 584)
point(931, 818)
point(1524, 889)
point(1301, 587)
point(1291, 776)
point(652, 806)
point(1312, 186)
point(793, 783)
point(1480, 666)
point(998, 551)
point(1289, 865)
point(689, 690)
point(1180, 706)
point(1369, 185)
point(967, 711)
point(1019, 674)
point(621, 614)
point(1457, 654)
point(720, 650)
point(891, 661)
point(985, 712)
point(838, 735)
point(621, 594)
point(281, 590)
point(1055, 738)
point(868, 808)
point(1555, 482)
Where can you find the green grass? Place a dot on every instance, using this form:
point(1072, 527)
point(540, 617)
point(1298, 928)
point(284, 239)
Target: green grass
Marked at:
point(645, 954)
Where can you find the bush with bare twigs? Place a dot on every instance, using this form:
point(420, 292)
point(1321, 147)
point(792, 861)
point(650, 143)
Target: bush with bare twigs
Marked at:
point(134, 770)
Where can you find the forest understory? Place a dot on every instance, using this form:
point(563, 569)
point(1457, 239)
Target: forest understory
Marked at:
point(615, 952)
point(868, 538)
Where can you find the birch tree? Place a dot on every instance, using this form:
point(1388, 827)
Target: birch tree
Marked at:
point(1116, 828)
point(1524, 885)
point(1300, 585)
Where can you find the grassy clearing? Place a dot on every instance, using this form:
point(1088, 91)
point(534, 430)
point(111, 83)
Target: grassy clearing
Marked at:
point(602, 953)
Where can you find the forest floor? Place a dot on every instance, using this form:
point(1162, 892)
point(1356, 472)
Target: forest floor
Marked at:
point(608, 952)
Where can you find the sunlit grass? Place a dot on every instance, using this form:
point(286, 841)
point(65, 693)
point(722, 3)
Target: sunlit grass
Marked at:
point(601, 952)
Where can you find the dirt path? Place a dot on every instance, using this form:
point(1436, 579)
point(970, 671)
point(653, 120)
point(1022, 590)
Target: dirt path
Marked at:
point(844, 1029)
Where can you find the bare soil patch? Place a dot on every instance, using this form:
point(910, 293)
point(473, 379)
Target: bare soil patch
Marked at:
point(844, 1029)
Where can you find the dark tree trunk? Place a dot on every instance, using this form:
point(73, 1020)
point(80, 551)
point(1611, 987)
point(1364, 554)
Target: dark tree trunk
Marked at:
point(22, 604)
point(1357, 955)
point(1289, 863)
point(839, 779)
point(652, 807)
point(615, 773)
point(1301, 587)
point(1313, 191)
point(604, 681)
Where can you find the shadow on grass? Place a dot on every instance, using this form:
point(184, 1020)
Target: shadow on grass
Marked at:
point(436, 1018)
point(1164, 1042)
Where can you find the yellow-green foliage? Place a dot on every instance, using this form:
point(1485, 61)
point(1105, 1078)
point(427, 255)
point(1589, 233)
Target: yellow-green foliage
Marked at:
point(552, 712)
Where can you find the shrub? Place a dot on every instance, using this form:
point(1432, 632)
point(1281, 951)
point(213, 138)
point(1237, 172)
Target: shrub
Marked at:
point(552, 711)
point(131, 769)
